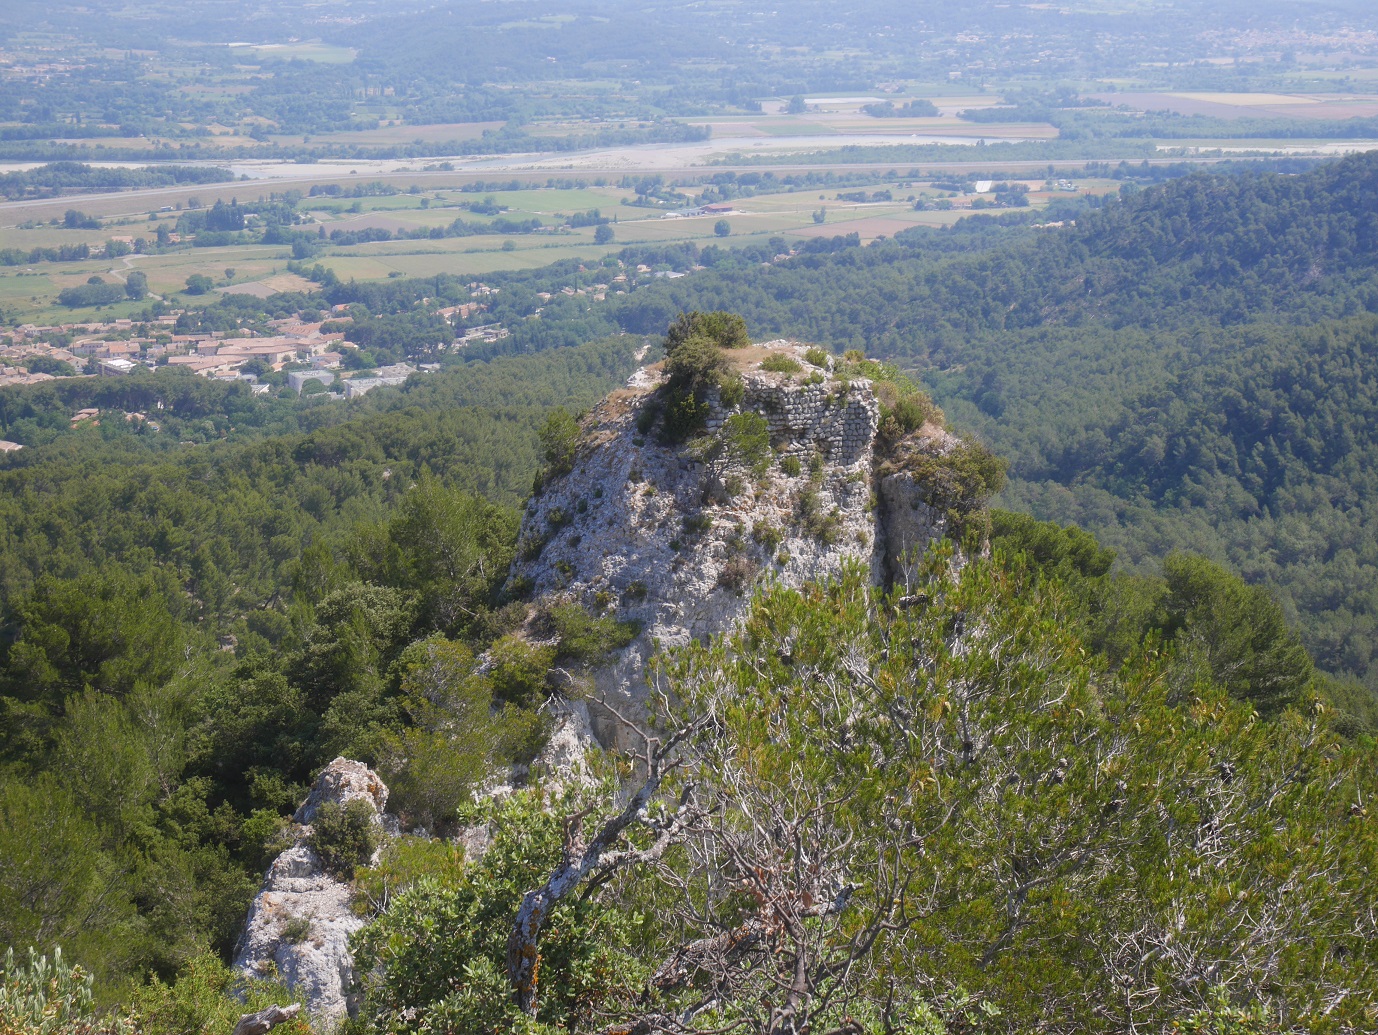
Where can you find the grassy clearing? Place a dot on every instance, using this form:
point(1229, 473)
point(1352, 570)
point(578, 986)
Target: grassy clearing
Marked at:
point(323, 53)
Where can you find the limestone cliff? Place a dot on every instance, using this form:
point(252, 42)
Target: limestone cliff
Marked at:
point(674, 536)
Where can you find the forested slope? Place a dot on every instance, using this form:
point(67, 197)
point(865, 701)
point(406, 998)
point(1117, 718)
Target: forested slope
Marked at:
point(990, 801)
point(196, 630)
point(1188, 366)
point(1180, 366)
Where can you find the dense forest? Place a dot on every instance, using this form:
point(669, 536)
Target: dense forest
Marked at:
point(1035, 794)
point(206, 626)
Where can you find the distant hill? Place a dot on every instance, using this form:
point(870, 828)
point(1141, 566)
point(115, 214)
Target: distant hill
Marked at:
point(1209, 381)
point(1186, 366)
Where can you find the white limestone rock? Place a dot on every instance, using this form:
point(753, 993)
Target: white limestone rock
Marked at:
point(643, 530)
point(300, 922)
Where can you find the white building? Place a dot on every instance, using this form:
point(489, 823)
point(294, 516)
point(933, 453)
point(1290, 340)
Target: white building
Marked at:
point(296, 379)
point(361, 385)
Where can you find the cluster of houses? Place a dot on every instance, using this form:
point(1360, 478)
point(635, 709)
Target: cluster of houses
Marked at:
point(118, 347)
point(223, 357)
point(113, 349)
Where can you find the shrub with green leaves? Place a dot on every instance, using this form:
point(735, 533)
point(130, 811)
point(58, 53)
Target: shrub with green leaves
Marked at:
point(49, 996)
point(517, 670)
point(728, 330)
point(435, 958)
point(958, 483)
point(559, 442)
point(781, 364)
point(345, 836)
point(696, 363)
point(585, 637)
point(207, 997)
point(768, 535)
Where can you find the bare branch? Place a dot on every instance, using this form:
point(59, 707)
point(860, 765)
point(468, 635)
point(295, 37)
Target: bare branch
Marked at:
point(598, 859)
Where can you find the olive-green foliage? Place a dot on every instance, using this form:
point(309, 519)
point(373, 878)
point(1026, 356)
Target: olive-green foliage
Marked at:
point(1238, 632)
point(586, 638)
point(727, 330)
point(685, 415)
point(56, 883)
point(778, 363)
point(743, 441)
point(263, 835)
point(344, 836)
point(1236, 442)
point(695, 362)
point(817, 357)
point(904, 407)
point(1216, 621)
point(402, 863)
point(129, 564)
point(559, 442)
point(1064, 553)
point(296, 930)
point(1059, 813)
point(109, 631)
point(342, 666)
point(1356, 706)
point(769, 536)
point(452, 548)
point(647, 416)
point(449, 743)
point(49, 996)
point(958, 483)
point(436, 956)
point(453, 737)
point(1221, 1016)
point(208, 997)
point(826, 527)
point(517, 670)
point(746, 439)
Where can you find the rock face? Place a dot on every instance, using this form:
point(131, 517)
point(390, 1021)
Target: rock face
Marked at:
point(663, 536)
point(300, 922)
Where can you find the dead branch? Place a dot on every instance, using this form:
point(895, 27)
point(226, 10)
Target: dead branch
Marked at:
point(597, 860)
point(265, 1020)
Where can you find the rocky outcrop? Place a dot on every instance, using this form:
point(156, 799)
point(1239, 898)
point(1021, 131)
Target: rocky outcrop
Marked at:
point(300, 922)
point(673, 539)
point(342, 781)
point(906, 519)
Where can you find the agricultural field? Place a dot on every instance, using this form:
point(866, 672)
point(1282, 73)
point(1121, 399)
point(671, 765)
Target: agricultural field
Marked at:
point(1250, 105)
point(30, 292)
point(312, 50)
